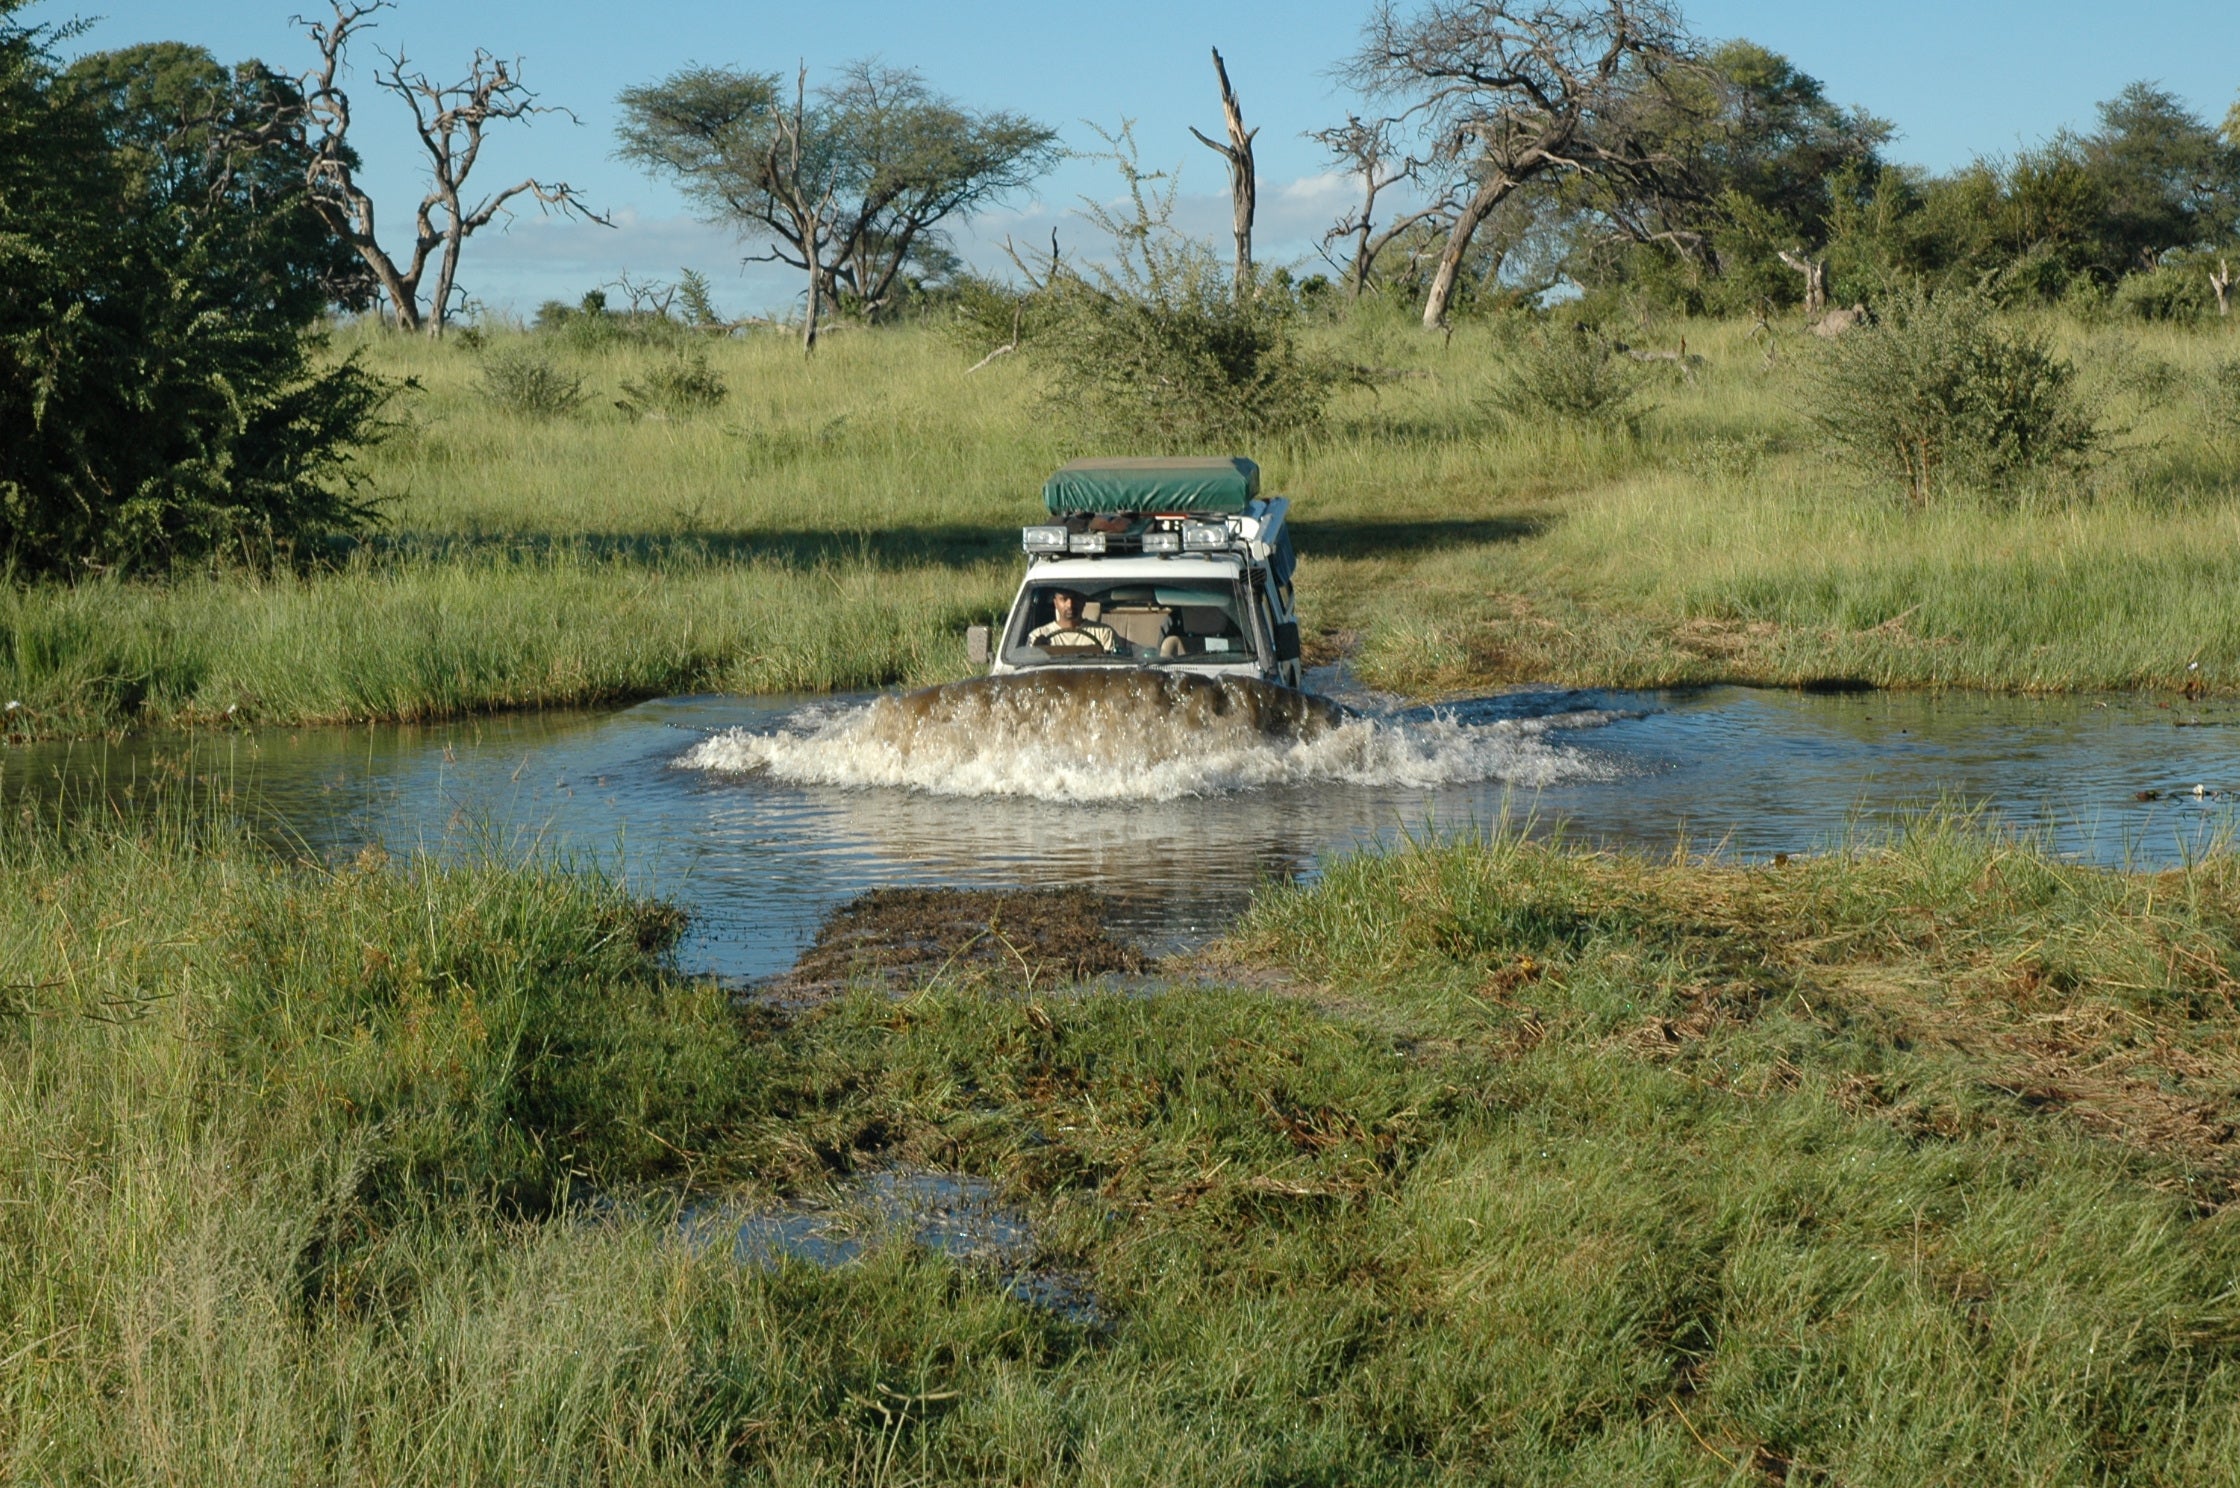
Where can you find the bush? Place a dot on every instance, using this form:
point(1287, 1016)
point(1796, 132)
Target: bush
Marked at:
point(530, 384)
point(676, 388)
point(1159, 349)
point(1943, 390)
point(2222, 397)
point(592, 325)
point(159, 398)
point(986, 314)
point(1572, 376)
point(1189, 370)
point(2173, 292)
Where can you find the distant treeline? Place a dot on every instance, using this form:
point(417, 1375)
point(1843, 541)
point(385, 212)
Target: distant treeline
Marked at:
point(174, 232)
point(1723, 180)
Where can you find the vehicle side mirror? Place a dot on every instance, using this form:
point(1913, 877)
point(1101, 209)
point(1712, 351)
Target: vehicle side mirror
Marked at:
point(1287, 640)
point(976, 644)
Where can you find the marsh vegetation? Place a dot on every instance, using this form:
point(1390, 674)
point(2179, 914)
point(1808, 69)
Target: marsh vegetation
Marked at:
point(836, 524)
point(1484, 1158)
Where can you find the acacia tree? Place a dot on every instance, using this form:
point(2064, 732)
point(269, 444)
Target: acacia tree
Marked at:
point(848, 184)
point(1511, 93)
point(451, 120)
point(2169, 180)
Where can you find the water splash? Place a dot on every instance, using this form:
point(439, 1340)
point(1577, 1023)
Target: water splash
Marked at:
point(1137, 735)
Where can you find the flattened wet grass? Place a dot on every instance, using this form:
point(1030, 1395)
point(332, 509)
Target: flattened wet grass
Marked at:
point(907, 937)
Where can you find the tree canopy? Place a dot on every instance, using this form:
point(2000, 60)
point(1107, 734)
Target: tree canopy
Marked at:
point(1532, 96)
point(851, 183)
point(155, 380)
point(212, 155)
point(1723, 177)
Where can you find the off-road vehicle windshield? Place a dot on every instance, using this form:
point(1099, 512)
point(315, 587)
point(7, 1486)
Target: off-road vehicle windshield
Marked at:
point(1137, 620)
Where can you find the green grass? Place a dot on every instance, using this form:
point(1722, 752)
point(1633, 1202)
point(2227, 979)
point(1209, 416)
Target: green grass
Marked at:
point(835, 524)
point(1506, 1162)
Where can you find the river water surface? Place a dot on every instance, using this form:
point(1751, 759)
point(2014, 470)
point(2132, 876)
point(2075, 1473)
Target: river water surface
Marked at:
point(759, 815)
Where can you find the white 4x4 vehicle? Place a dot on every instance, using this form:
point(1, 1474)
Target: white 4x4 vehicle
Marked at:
point(1179, 564)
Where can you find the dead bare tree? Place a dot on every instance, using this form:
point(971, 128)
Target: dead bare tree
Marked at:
point(2221, 282)
point(1815, 271)
point(451, 120)
point(1366, 149)
point(1243, 184)
point(1510, 92)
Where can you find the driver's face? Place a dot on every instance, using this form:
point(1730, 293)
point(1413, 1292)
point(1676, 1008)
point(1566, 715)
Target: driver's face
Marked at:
point(1066, 606)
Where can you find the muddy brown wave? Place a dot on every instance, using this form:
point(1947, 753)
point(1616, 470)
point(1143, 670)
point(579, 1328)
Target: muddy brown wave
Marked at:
point(1080, 734)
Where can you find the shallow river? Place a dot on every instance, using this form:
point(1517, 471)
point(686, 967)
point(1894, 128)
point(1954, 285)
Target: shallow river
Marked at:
point(761, 814)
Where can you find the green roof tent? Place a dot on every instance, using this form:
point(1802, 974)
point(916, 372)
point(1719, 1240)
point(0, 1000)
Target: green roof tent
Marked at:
point(1186, 484)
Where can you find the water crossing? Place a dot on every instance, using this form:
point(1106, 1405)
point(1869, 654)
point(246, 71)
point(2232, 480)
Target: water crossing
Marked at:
point(759, 815)
point(1130, 734)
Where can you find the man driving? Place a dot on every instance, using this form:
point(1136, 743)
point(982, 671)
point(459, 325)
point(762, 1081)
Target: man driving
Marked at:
point(1069, 631)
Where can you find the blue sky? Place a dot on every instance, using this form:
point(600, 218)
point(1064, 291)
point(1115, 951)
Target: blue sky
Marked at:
point(1958, 78)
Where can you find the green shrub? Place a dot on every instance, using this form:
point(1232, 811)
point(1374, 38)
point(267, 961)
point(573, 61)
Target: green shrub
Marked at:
point(1188, 369)
point(985, 314)
point(2124, 367)
point(2171, 292)
point(2222, 397)
point(1943, 390)
point(161, 399)
point(675, 388)
point(1160, 348)
point(1572, 376)
point(528, 383)
point(592, 325)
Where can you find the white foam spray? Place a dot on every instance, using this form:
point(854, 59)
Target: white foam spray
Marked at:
point(1137, 736)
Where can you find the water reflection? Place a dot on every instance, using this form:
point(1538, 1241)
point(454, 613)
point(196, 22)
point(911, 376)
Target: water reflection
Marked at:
point(759, 861)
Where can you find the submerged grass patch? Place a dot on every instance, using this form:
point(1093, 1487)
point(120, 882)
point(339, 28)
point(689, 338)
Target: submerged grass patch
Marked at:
point(836, 524)
point(1908, 1163)
point(912, 936)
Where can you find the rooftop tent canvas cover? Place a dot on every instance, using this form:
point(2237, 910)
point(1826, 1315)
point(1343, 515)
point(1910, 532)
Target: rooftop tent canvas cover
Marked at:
point(1190, 484)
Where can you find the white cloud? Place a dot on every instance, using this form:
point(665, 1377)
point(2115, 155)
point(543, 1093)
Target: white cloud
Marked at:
point(538, 258)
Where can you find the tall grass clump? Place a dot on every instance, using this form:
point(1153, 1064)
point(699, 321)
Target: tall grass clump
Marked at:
point(1573, 377)
point(674, 387)
point(1944, 390)
point(2221, 397)
point(524, 381)
point(276, 1140)
point(566, 625)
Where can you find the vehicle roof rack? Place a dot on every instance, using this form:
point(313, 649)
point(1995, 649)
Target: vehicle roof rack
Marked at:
point(1194, 484)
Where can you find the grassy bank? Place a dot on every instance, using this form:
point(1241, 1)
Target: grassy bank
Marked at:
point(835, 524)
point(1487, 1161)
